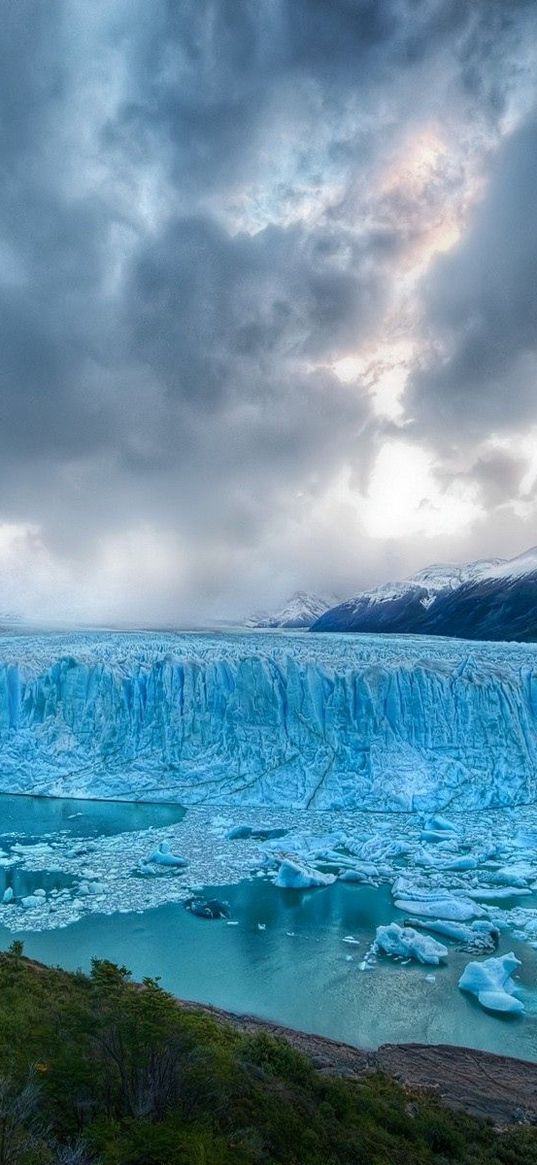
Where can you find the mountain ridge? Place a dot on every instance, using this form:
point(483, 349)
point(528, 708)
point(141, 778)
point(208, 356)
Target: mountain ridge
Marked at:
point(488, 599)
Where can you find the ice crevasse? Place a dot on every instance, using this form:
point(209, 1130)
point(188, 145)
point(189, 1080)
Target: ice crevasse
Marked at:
point(376, 722)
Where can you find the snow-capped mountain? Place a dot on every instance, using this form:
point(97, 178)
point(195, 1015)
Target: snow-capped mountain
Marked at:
point(301, 610)
point(441, 576)
point(488, 599)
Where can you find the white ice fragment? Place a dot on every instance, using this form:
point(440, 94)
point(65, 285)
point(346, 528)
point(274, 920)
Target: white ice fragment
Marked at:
point(461, 863)
point(360, 874)
point(491, 982)
point(296, 875)
point(440, 906)
point(479, 935)
point(493, 894)
point(405, 942)
point(437, 822)
point(164, 857)
point(31, 901)
point(8, 895)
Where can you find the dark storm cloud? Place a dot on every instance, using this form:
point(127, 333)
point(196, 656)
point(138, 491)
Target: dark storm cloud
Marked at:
point(481, 304)
point(187, 245)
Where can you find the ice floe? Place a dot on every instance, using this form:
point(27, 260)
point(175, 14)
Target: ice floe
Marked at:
point(296, 875)
point(405, 942)
point(492, 984)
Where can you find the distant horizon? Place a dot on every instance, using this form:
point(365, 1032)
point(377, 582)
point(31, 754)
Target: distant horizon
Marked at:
point(215, 622)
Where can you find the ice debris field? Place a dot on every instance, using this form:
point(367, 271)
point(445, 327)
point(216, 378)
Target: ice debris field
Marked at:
point(372, 761)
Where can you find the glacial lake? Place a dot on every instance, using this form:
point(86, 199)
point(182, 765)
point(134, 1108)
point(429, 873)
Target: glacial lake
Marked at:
point(283, 954)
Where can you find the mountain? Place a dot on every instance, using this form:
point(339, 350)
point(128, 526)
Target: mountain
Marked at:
point(493, 599)
point(300, 611)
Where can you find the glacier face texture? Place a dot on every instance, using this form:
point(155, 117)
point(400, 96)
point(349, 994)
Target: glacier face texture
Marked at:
point(324, 722)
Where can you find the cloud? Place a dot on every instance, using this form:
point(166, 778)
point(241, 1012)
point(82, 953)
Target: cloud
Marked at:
point(207, 209)
point(481, 309)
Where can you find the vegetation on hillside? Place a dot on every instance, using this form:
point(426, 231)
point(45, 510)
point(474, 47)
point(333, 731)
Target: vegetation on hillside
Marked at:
point(94, 1069)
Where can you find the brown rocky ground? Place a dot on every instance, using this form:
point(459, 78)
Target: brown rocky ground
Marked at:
point(496, 1088)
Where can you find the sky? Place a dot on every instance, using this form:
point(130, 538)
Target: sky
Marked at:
point(268, 299)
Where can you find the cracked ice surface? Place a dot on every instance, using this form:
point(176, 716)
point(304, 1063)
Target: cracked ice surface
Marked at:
point(305, 721)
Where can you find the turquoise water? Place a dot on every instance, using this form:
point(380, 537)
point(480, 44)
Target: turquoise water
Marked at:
point(298, 970)
point(284, 958)
point(31, 818)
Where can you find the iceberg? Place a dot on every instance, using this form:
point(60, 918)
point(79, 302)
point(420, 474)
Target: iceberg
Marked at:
point(296, 875)
point(480, 935)
point(256, 719)
point(443, 906)
point(407, 943)
point(164, 857)
point(491, 982)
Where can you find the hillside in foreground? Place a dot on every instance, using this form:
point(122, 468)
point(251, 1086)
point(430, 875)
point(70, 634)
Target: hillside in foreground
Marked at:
point(97, 1071)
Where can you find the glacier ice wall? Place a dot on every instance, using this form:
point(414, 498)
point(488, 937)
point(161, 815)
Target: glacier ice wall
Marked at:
point(335, 722)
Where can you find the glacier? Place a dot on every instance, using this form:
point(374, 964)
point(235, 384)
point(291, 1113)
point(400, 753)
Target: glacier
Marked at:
point(399, 724)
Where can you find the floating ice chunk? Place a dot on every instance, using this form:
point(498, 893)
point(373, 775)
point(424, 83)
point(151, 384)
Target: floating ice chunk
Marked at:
point(517, 874)
point(424, 859)
point(408, 943)
point(500, 1001)
point(495, 894)
point(480, 935)
point(491, 982)
point(526, 839)
point(8, 895)
point(359, 874)
point(296, 875)
point(461, 863)
point(440, 906)
point(437, 822)
point(31, 901)
point(378, 848)
point(239, 833)
point(97, 888)
point(349, 938)
point(163, 857)
point(433, 835)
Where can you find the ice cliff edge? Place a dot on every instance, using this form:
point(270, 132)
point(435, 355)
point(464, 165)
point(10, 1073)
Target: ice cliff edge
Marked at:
point(322, 722)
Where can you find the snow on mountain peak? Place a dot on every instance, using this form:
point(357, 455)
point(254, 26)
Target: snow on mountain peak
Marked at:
point(525, 563)
point(300, 611)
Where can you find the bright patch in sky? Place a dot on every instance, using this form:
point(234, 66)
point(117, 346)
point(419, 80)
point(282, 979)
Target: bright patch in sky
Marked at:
point(405, 499)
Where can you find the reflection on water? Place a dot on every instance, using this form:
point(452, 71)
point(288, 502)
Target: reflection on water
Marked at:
point(24, 882)
point(33, 817)
point(286, 960)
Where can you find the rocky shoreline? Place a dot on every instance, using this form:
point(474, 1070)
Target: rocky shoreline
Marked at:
point(497, 1088)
